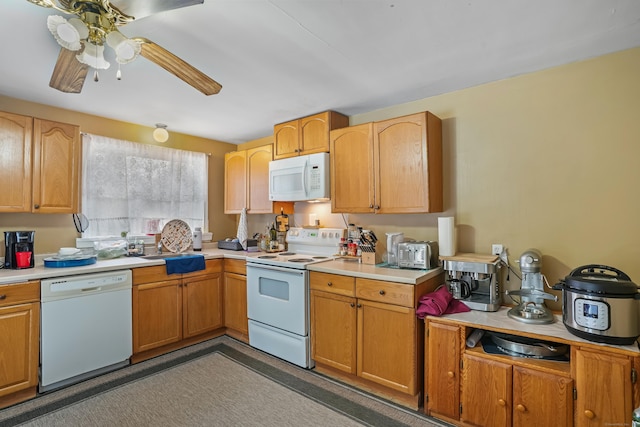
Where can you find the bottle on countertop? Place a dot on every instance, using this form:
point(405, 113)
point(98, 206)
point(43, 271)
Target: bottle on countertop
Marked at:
point(273, 237)
point(197, 239)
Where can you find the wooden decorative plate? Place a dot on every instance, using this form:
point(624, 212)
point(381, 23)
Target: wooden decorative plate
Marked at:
point(176, 236)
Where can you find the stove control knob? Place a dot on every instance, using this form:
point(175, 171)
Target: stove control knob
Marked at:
point(324, 235)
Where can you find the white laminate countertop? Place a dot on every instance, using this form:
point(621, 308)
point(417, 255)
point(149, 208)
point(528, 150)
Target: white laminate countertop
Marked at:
point(368, 271)
point(122, 263)
point(499, 320)
point(336, 267)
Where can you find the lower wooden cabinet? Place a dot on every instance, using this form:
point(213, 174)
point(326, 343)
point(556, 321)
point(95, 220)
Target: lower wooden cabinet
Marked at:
point(235, 299)
point(170, 311)
point(442, 370)
point(596, 386)
point(604, 394)
point(366, 332)
point(500, 394)
point(19, 341)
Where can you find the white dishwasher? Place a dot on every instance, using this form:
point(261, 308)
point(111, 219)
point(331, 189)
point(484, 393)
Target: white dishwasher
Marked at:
point(85, 327)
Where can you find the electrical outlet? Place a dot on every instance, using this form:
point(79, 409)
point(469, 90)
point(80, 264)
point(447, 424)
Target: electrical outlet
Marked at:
point(496, 249)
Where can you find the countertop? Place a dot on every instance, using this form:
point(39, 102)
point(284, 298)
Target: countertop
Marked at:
point(336, 267)
point(501, 322)
point(368, 271)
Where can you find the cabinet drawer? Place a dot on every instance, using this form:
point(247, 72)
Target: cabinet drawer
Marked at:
point(19, 293)
point(211, 266)
point(158, 273)
point(333, 283)
point(386, 292)
point(237, 266)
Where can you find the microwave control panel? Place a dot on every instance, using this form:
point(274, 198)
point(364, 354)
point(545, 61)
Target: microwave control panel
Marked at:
point(315, 178)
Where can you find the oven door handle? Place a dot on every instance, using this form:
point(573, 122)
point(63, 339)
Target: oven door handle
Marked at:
point(273, 267)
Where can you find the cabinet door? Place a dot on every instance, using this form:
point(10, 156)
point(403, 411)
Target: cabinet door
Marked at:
point(235, 181)
point(202, 305)
point(258, 180)
point(486, 392)
point(408, 164)
point(442, 368)
point(387, 345)
point(15, 162)
point(333, 330)
point(541, 399)
point(157, 314)
point(352, 182)
point(314, 133)
point(19, 344)
point(286, 140)
point(56, 167)
point(603, 385)
point(235, 303)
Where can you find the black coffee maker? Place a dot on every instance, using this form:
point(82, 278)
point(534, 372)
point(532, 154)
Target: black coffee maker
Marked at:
point(18, 249)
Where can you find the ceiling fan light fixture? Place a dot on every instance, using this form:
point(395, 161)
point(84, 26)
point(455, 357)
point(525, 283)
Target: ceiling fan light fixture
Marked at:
point(160, 133)
point(93, 56)
point(69, 33)
point(126, 49)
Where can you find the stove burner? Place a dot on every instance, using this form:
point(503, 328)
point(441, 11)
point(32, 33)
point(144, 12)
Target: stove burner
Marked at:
point(287, 253)
point(320, 257)
point(300, 260)
point(267, 257)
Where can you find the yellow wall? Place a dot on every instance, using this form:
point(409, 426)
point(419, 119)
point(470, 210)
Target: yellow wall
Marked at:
point(55, 231)
point(547, 160)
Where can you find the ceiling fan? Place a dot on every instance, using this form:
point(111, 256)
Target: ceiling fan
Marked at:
point(83, 38)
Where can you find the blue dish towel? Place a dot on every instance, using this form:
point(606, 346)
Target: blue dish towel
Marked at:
point(185, 264)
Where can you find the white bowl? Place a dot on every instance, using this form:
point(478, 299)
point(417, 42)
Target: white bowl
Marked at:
point(68, 251)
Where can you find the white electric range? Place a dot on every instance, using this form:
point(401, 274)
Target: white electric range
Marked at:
point(278, 293)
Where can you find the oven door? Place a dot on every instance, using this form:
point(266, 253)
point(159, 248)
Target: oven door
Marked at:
point(278, 297)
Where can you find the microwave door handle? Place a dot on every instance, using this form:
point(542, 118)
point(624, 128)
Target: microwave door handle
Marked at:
point(305, 181)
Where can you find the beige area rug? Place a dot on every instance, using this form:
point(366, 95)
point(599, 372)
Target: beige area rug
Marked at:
point(221, 382)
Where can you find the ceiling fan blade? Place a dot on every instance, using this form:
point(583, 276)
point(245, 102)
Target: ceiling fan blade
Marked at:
point(140, 8)
point(68, 74)
point(178, 67)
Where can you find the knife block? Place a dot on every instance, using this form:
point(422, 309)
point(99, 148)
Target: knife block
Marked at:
point(371, 257)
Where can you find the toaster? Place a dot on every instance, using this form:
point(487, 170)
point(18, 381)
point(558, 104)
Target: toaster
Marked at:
point(419, 255)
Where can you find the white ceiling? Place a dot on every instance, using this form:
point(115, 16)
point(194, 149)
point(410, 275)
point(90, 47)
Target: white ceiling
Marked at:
point(282, 59)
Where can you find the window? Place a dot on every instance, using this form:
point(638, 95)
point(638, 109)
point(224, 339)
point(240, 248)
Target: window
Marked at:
point(136, 188)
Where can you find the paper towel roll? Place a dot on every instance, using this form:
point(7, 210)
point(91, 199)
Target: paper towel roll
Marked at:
point(447, 236)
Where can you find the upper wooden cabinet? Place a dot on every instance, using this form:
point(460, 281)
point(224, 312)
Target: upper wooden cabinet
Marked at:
point(307, 135)
point(40, 165)
point(246, 182)
point(391, 166)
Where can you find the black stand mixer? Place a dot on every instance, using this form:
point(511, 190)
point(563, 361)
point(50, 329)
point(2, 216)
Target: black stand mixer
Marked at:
point(532, 295)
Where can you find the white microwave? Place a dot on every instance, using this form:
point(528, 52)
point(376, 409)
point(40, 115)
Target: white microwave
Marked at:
point(300, 178)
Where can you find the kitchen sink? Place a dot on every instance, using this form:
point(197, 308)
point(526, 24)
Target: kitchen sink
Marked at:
point(167, 255)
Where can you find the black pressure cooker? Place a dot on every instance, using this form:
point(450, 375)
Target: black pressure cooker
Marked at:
point(600, 303)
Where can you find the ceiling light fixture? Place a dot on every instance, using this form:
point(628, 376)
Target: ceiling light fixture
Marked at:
point(160, 133)
point(89, 36)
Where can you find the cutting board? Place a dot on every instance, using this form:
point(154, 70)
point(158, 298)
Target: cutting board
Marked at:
point(470, 257)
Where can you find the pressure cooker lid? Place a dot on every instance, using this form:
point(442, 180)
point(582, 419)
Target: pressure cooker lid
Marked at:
point(600, 279)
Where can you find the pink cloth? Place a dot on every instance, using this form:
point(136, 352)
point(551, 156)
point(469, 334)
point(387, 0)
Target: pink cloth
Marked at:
point(439, 302)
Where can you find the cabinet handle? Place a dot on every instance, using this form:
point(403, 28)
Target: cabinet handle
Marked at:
point(521, 408)
point(502, 402)
point(371, 206)
point(450, 374)
point(3, 296)
point(36, 206)
point(329, 284)
point(382, 292)
point(352, 305)
point(589, 414)
point(377, 207)
point(359, 305)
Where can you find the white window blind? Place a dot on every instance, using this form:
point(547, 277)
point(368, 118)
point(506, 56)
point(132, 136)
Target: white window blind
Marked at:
point(133, 187)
